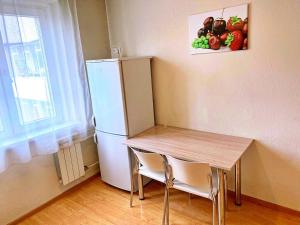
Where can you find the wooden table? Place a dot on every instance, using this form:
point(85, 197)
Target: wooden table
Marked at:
point(220, 151)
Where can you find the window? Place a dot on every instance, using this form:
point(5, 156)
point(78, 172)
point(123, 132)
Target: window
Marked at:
point(27, 66)
point(44, 98)
point(41, 87)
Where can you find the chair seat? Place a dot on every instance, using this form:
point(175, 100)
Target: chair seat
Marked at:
point(200, 191)
point(159, 176)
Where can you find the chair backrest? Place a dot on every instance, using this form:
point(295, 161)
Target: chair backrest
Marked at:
point(150, 161)
point(190, 173)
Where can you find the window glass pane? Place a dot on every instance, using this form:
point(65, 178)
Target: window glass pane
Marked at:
point(2, 31)
point(33, 100)
point(28, 69)
point(21, 29)
point(29, 29)
point(12, 29)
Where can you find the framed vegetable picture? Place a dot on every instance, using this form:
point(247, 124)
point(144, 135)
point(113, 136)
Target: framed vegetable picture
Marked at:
point(219, 31)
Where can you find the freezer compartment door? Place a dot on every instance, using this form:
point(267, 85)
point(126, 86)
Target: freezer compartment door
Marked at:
point(106, 88)
point(114, 159)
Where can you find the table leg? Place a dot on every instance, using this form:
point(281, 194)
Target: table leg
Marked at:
point(221, 197)
point(238, 183)
point(141, 187)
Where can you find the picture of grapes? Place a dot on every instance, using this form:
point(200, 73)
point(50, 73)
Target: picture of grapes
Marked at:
point(221, 30)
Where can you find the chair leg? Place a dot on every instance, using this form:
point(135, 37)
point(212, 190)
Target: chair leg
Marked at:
point(168, 207)
point(215, 212)
point(165, 207)
point(226, 187)
point(141, 187)
point(165, 220)
point(131, 188)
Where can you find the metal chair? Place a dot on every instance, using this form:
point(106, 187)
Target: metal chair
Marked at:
point(147, 164)
point(191, 177)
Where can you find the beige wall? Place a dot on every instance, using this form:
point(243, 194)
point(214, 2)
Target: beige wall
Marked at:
point(93, 28)
point(252, 93)
point(26, 186)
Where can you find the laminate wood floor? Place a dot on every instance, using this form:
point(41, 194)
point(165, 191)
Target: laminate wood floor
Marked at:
point(98, 203)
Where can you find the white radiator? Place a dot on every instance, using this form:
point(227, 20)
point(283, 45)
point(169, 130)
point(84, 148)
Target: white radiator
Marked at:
point(70, 163)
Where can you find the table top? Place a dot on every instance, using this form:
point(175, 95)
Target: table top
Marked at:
point(219, 150)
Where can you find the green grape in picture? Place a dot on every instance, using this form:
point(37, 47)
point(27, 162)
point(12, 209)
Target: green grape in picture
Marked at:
point(201, 42)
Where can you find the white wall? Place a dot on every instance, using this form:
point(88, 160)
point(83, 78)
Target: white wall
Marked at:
point(253, 93)
point(24, 187)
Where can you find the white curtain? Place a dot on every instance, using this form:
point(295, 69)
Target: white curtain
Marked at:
point(44, 97)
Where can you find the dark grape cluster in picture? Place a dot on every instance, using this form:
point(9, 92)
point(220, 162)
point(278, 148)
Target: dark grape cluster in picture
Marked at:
point(217, 32)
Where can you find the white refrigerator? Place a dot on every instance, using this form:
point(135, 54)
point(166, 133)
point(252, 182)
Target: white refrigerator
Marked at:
point(122, 101)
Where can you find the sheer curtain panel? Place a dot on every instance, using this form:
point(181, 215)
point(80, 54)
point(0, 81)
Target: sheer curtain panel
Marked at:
point(44, 98)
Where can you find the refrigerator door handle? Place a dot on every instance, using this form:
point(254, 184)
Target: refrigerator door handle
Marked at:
point(95, 138)
point(94, 120)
